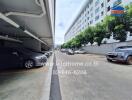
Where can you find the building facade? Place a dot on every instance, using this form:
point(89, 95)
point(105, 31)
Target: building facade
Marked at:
point(91, 13)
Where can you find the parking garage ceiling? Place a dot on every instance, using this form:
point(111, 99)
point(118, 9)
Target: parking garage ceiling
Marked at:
point(32, 16)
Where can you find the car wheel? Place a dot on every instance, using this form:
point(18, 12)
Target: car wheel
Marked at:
point(109, 60)
point(28, 64)
point(129, 60)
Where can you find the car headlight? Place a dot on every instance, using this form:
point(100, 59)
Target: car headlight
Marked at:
point(38, 57)
point(121, 54)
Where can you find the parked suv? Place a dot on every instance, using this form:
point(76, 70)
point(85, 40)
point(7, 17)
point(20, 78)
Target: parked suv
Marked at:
point(123, 54)
point(20, 57)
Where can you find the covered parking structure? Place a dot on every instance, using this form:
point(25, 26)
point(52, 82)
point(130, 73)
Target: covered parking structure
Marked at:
point(27, 22)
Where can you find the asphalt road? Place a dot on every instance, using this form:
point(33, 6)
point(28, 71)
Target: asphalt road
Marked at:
point(91, 77)
point(20, 84)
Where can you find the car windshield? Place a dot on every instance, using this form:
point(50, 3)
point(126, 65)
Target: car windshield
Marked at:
point(123, 49)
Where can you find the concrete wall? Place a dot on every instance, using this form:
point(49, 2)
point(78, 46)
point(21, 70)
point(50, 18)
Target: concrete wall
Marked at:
point(29, 43)
point(105, 48)
point(33, 44)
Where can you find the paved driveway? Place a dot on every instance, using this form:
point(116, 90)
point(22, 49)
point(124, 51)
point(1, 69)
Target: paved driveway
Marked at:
point(95, 79)
point(31, 84)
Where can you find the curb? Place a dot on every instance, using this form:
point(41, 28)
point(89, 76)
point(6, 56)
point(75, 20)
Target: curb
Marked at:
point(46, 91)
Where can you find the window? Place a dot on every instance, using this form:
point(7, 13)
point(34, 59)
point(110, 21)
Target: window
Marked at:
point(97, 2)
point(92, 15)
point(91, 21)
point(108, 0)
point(85, 9)
point(91, 9)
point(97, 10)
point(88, 18)
point(108, 9)
point(102, 13)
point(96, 18)
point(102, 5)
point(88, 6)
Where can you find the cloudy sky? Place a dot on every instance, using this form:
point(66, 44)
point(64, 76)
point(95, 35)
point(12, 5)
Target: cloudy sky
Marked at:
point(66, 10)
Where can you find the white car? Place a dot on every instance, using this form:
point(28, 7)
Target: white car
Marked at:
point(63, 50)
point(80, 52)
point(70, 52)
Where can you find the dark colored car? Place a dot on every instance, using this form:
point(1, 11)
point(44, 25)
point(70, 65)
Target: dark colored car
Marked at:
point(20, 57)
point(122, 54)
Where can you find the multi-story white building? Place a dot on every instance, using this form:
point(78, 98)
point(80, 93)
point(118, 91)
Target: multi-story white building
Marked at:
point(91, 13)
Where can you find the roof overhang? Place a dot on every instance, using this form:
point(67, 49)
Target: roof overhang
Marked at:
point(28, 19)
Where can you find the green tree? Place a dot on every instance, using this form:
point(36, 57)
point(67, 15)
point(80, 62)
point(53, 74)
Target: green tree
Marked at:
point(118, 27)
point(108, 24)
point(78, 42)
point(80, 38)
point(129, 9)
point(128, 17)
point(89, 35)
point(120, 33)
point(73, 43)
point(100, 33)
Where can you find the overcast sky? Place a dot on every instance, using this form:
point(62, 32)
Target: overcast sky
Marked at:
point(66, 10)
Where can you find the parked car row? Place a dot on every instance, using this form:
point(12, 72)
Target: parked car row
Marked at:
point(72, 52)
point(120, 54)
point(11, 57)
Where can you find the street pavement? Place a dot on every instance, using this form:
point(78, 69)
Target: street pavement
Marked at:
point(72, 77)
point(91, 77)
point(20, 84)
